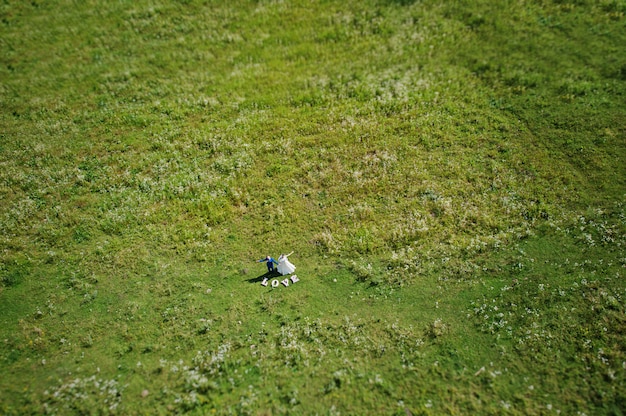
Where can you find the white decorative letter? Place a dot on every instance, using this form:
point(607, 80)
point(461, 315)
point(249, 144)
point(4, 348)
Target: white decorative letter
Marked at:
point(294, 278)
point(275, 283)
point(264, 282)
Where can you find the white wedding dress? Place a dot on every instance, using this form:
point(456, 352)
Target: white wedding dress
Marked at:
point(285, 266)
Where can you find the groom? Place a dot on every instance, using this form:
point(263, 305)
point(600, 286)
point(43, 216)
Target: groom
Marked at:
point(270, 263)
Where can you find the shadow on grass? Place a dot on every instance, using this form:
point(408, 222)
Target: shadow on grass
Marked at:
point(398, 2)
point(260, 278)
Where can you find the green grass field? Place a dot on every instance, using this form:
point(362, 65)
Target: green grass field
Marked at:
point(449, 174)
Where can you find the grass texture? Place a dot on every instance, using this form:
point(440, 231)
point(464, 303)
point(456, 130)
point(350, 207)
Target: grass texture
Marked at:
point(449, 174)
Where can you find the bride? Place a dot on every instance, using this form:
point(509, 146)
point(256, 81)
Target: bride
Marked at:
point(284, 265)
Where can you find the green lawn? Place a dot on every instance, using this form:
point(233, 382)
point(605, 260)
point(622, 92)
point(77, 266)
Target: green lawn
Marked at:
point(450, 177)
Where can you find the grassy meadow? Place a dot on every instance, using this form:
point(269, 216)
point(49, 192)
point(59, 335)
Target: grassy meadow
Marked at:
point(449, 174)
